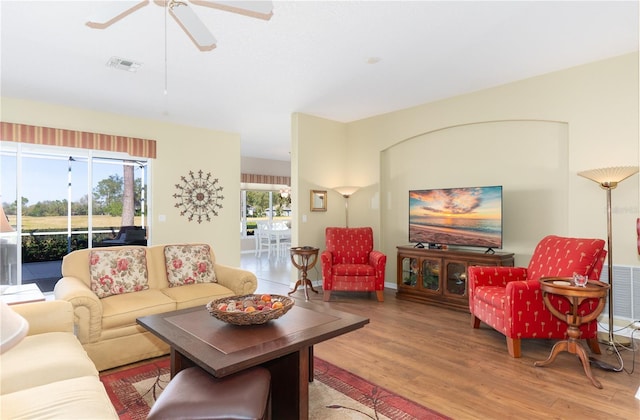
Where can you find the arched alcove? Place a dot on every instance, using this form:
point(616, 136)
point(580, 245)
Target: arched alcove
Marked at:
point(528, 158)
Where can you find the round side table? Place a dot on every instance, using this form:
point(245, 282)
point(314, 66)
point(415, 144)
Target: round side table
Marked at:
point(575, 295)
point(304, 258)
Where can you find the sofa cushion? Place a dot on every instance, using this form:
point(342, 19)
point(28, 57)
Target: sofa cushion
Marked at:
point(189, 264)
point(76, 398)
point(122, 310)
point(197, 294)
point(494, 296)
point(42, 359)
point(354, 270)
point(114, 272)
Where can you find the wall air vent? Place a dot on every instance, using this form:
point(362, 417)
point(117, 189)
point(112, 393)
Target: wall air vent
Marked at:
point(123, 64)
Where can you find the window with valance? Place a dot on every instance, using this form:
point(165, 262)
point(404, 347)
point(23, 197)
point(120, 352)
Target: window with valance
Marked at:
point(48, 136)
point(64, 190)
point(264, 197)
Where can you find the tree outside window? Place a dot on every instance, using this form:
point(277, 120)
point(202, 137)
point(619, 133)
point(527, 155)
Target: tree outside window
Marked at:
point(264, 205)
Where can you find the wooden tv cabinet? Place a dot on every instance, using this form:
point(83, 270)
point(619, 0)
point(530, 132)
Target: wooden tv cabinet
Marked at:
point(439, 276)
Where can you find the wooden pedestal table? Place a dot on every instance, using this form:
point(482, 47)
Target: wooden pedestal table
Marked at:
point(304, 258)
point(281, 345)
point(575, 295)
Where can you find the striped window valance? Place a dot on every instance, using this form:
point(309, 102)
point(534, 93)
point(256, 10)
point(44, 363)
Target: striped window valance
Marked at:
point(266, 179)
point(47, 136)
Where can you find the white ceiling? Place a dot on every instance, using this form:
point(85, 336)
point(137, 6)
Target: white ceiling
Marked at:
point(311, 57)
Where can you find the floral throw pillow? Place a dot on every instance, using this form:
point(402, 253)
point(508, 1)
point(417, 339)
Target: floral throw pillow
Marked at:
point(188, 264)
point(114, 272)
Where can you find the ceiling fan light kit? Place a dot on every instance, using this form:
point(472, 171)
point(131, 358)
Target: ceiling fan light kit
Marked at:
point(184, 15)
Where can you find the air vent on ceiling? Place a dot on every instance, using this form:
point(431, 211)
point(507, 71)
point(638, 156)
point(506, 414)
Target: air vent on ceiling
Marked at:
point(123, 64)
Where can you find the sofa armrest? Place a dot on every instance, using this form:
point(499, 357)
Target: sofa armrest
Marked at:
point(524, 299)
point(242, 282)
point(524, 291)
point(87, 308)
point(378, 260)
point(526, 296)
point(479, 276)
point(326, 259)
point(494, 275)
point(48, 316)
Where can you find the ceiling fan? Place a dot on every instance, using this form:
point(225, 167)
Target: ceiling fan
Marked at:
point(184, 15)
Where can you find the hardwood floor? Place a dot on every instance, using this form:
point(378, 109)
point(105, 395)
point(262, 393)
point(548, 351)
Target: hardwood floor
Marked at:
point(431, 355)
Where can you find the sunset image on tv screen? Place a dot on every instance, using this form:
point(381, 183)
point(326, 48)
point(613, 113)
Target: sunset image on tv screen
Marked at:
point(456, 216)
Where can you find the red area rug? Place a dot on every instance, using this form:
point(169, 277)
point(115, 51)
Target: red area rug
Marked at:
point(334, 394)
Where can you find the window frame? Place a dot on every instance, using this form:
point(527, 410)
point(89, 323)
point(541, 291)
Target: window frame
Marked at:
point(20, 151)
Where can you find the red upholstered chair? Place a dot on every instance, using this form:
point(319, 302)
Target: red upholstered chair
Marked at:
point(349, 262)
point(509, 299)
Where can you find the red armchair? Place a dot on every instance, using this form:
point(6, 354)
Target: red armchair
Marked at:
point(509, 299)
point(350, 263)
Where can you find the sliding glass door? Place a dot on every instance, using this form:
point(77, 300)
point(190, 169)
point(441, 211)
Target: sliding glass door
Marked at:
point(69, 199)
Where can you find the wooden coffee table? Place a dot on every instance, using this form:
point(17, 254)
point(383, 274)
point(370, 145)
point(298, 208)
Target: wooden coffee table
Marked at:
point(283, 345)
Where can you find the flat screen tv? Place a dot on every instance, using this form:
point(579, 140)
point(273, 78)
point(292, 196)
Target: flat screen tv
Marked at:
point(456, 216)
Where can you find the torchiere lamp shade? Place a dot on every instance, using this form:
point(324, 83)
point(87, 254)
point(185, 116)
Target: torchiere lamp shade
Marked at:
point(609, 177)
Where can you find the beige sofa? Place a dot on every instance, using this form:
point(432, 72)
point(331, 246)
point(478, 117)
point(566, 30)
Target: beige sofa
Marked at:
point(107, 326)
point(48, 374)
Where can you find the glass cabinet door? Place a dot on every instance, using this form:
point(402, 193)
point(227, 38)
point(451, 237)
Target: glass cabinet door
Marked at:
point(409, 271)
point(431, 274)
point(456, 282)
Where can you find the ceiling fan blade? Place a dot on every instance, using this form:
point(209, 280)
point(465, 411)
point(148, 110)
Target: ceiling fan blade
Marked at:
point(192, 26)
point(257, 9)
point(113, 12)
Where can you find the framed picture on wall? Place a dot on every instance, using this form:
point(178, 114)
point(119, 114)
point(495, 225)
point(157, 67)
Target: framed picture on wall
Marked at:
point(318, 200)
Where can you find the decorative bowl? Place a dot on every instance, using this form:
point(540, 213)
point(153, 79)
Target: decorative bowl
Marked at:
point(217, 309)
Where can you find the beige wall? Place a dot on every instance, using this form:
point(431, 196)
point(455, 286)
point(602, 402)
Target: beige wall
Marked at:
point(535, 188)
point(597, 104)
point(180, 150)
point(316, 164)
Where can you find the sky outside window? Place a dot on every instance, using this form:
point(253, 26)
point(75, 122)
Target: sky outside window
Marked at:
point(45, 179)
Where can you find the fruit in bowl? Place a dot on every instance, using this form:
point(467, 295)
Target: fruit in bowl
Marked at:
point(260, 303)
point(250, 309)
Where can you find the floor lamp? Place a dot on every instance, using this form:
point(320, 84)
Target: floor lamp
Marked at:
point(608, 178)
point(346, 192)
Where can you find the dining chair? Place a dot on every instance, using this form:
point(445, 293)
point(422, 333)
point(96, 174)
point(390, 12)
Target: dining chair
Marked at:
point(264, 239)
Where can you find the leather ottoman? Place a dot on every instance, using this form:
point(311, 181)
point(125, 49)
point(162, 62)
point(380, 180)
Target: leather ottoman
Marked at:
point(194, 394)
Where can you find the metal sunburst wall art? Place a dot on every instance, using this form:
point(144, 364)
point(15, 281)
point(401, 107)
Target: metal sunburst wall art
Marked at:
point(199, 196)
